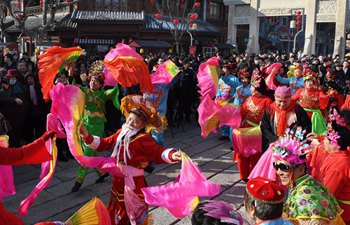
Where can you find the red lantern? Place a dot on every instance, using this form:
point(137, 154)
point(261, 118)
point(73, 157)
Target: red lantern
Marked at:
point(299, 17)
point(197, 4)
point(191, 24)
point(41, 3)
point(157, 15)
point(298, 23)
point(176, 21)
point(193, 16)
point(68, 1)
point(298, 12)
point(19, 5)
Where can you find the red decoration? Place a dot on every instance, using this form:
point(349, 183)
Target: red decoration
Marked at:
point(193, 16)
point(20, 17)
point(176, 21)
point(298, 12)
point(299, 17)
point(157, 15)
point(191, 24)
point(41, 3)
point(68, 1)
point(298, 23)
point(197, 4)
point(264, 190)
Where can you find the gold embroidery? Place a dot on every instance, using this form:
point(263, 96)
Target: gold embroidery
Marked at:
point(309, 100)
point(255, 112)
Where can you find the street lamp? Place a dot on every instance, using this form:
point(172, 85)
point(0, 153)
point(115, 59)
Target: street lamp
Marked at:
point(298, 24)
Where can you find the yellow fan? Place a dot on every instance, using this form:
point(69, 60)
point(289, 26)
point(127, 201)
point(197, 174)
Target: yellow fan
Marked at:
point(211, 124)
point(92, 213)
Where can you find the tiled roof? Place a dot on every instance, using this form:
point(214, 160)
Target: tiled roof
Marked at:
point(67, 23)
point(165, 23)
point(111, 16)
point(93, 41)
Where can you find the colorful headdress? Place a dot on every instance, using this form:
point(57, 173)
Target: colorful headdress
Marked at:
point(257, 81)
point(141, 107)
point(265, 191)
point(292, 147)
point(308, 74)
point(223, 211)
point(96, 71)
point(283, 91)
point(338, 131)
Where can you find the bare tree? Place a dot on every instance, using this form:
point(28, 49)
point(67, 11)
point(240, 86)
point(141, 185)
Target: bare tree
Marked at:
point(180, 14)
point(48, 8)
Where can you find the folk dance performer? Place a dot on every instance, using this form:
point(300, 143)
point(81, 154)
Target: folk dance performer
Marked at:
point(133, 149)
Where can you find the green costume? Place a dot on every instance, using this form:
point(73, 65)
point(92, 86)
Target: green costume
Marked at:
point(94, 119)
point(310, 199)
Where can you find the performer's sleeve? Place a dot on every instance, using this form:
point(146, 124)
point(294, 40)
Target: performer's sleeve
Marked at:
point(282, 80)
point(324, 99)
point(334, 181)
point(296, 96)
point(268, 135)
point(303, 119)
point(32, 153)
point(113, 94)
point(156, 153)
point(99, 144)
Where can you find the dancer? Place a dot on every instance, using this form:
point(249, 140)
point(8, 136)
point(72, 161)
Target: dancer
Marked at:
point(94, 118)
point(133, 149)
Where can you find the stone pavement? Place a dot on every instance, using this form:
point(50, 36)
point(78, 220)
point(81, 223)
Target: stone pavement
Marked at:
point(58, 203)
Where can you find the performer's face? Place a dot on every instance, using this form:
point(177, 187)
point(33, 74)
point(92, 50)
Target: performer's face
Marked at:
point(297, 73)
point(282, 102)
point(309, 84)
point(283, 170)
point(95, 84)
point(134, 121)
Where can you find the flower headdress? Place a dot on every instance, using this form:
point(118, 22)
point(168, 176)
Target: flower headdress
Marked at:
point(256, 80)
point(96, 70)
point(223, 211)
point(338, 131)
point(308, 74)
point(292, 147)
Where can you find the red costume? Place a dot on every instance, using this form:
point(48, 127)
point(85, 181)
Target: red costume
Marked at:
point(334, 173)
point(33, 153)
point(311, 99)
point(143, 150)
point(252, 111)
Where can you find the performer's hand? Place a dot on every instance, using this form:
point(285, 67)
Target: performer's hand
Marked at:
point(48, 134)
point(18, 101)
point(82, 130)
point(312, 136)
point(176, 156)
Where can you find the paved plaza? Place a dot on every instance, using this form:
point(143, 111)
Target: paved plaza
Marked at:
point(58, 203)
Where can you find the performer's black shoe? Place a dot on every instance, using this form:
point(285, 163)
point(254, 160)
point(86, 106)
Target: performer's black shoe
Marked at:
point(149, 169)
point(102, 178)
point(76, 186)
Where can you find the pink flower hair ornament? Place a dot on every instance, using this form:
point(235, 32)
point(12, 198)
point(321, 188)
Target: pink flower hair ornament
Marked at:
point(293, 147)
point(223, 211)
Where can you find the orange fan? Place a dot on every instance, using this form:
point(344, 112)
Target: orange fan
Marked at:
point(52, 62)
point(128, 68)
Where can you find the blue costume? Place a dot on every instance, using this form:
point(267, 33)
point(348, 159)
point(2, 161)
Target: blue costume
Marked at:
point(293, 83)
point(159, 98)
point(242, 92)
point(279, 221)
point(227, 86)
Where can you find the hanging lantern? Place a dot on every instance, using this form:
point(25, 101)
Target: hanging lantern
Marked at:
point(193, 16)
point(68, 1)
point(170, 51)
point(191, 25)
point(142, 51)
point(299, 17)
point(176, 21)
point(197, 4)
point(157, 15)
point(298, 12)
point(298, 23)
point(41, 3)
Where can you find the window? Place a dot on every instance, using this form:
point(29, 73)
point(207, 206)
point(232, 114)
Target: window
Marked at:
point(214, 10)
point(112, 5)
